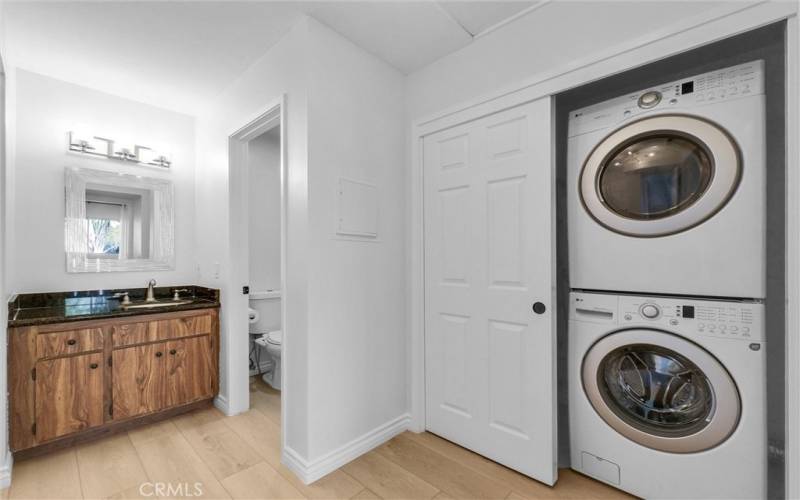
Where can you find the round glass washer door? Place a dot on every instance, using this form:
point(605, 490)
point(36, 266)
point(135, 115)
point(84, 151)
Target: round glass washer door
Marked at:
point(660, 175)
point(661, 391)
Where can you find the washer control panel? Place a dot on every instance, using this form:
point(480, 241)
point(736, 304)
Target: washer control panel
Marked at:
point(715, 86)
point(728, 319)
point(735, 320)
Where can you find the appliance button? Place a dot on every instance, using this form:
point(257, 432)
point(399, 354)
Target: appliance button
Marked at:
point(734, 329)
point(673, 322)
point(649, 99)
point(628, 317)
point(650, 311)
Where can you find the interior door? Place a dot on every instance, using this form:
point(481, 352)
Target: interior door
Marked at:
point(138, 380)
point(489, 234)
point(69, 395)
point(190, 370)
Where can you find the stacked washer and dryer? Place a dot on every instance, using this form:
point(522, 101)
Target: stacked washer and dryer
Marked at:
point(667, 238)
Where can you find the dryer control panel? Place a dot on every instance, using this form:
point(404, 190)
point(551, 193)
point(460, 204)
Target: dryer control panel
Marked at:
point(715, 86)
point(735, 320)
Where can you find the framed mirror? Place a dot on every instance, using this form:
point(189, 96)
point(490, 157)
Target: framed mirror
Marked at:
point(118, 222)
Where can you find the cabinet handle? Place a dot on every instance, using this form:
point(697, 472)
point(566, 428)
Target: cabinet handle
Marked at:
point(172, 351)
point(159, 354)
point(71, 342)
point(93, 366)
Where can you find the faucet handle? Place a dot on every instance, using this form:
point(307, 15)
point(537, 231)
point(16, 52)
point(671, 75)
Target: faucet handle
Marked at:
point(126, 299)
point(176, 293)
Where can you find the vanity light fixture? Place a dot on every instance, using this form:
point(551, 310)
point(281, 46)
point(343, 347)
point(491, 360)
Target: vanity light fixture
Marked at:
point(139, 154)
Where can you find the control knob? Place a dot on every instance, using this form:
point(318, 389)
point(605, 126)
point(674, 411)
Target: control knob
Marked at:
point(650, 311)
point(649, 99)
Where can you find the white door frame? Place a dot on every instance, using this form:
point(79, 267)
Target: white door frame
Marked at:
point(714, 25)
point(237, 367)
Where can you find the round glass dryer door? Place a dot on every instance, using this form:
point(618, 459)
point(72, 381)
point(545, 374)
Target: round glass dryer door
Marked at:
point(660, 175)
point(661, 391)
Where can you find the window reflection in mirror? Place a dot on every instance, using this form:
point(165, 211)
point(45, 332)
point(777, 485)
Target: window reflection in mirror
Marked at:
point(118, 222)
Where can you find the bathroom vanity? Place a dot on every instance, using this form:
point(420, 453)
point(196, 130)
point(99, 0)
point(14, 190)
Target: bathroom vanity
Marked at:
point(85, 364)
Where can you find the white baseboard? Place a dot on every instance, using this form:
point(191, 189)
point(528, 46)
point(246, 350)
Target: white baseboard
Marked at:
point(310, 471)
point(221, 402)
point(5, 470)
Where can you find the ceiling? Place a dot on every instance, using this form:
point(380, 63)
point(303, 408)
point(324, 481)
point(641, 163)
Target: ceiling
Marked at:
point(180, 55)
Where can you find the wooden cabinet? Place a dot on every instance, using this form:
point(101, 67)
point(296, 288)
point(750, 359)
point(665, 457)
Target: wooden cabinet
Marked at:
point(189, 370)
point(137, 380)
point(69, 395)
point(71, 381)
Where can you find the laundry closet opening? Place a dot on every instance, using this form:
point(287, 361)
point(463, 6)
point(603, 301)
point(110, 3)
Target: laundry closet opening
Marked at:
point(767, 44)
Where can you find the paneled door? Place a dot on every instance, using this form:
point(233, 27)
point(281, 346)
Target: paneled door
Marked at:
point(69, 395)
point(190, 370)
point(137, 380)
point(489, 288)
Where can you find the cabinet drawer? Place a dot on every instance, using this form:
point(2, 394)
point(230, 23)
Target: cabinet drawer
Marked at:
point(53, 344)
point(133, 333)
point(128, 334)
point(183, 327)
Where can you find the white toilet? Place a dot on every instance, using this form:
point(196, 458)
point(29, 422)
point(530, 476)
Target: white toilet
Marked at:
point(265, 332)
point(273, 341)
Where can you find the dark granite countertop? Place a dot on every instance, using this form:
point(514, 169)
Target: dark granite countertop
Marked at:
point(43, 308)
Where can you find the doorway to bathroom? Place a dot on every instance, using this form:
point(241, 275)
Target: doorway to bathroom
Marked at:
point(255, 298)
point(264, 259)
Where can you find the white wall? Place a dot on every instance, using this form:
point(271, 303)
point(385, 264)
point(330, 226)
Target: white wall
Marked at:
point(45, 110)
point(5, 454)
point(556, 36)
point(264, 214)
point(345, 320)
point(357, 317)
point(282, 70)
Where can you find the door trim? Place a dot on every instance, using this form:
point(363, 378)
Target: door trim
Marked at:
point(236, 398)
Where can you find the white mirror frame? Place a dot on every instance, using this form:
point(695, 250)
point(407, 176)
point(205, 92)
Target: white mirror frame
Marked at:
point(162, 251)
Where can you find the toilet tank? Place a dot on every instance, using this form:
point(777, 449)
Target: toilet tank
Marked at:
point(268, 305)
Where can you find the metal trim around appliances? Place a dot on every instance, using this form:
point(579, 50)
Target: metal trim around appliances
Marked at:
point(723, 420)
point(718, 144)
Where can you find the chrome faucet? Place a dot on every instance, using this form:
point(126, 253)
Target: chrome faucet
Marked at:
point(150, 297)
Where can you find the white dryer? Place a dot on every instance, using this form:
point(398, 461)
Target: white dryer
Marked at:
point(666, 188)
point(668, 395)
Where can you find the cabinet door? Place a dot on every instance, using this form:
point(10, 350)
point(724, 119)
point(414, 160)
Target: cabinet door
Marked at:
point(137, 380)
point(69, 395)
point(190, 370)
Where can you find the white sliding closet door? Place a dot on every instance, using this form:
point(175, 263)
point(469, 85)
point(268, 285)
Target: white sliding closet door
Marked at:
point(489, 238)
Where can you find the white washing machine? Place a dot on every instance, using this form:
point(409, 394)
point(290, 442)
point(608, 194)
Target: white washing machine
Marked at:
point(666, 188)
point(668, 395)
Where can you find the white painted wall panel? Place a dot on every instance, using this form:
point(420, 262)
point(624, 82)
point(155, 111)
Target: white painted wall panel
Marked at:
point(357, 289)
point(553, 36)
point(46, 110)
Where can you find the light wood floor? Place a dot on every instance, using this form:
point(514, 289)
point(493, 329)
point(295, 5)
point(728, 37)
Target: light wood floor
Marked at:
point(239, 457)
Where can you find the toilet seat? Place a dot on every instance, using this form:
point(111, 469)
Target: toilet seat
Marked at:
point(275, 337)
